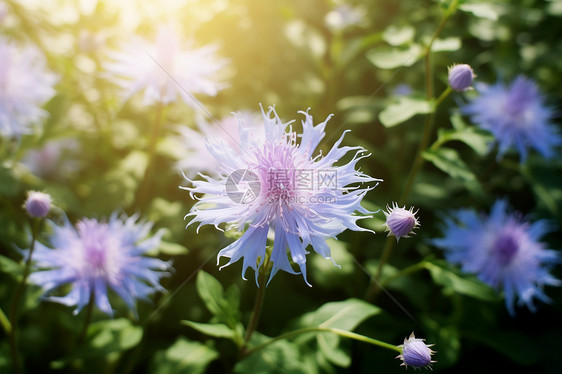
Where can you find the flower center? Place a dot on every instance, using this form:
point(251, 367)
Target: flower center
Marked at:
point(96, 260)
point(505, 248)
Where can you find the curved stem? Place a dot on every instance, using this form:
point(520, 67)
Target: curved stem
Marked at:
point(426, 136)
point(20, 291)
point(343, 333)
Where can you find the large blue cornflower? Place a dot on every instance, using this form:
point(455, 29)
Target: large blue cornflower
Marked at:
point(517, 117)
point(503, 250)
point(276, 188)
point(97, 256)
point(25, 85)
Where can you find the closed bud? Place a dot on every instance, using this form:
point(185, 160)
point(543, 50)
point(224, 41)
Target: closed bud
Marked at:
point(37, 204)
point(460, 77)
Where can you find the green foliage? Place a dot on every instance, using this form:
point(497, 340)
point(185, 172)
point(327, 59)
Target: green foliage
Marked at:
point(183, 356)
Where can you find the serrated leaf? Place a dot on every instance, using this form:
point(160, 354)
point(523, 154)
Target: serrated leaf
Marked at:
point(444, 274)
point(481, 10)
point(449, 161)
point(403, 110)
point(393, 57)
point(183, 356)
point(217, 330)
point(395, 35)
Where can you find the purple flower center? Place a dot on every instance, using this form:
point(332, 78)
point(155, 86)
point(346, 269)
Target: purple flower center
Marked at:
point(277, 172)
point(96, 259)
point(505, 248)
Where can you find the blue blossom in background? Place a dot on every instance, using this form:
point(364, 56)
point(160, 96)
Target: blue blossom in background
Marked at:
point(517, 117)
point(165, 69)
point(25, 86)
point(277, 188)
point(96, 257)
point(416, 353)
point(503, 250)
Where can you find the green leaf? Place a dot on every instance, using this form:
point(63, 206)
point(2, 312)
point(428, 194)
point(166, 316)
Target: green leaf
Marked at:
point(481, 10)
point(395, 35)
point(475, 138)
point(393, 57)
point(345, 315)
point(225, 308)
point(9, 266)
point(449, 161)
point(281, 357)
point(9, 186)
point(172, 249)
point(217, 330)
point(450, 277)
point(183, 356)
point(446, 45)
point(404, 109)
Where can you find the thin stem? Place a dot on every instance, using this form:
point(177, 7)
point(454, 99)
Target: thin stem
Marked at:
point(20, 291)
point(426, 136)
point(256, 312)
point(89, 312)
point(343, 333)
point(144, 188)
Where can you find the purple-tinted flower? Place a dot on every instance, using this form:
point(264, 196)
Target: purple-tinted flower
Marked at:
point(276, 188)
point(25, 85)
point(166, 69)
point(96, 257)
point(37, 204)
point(195, 156)
point(415, 353)
point(503, 250)
point(400, 222)
point(460, 77)
point(517, 117)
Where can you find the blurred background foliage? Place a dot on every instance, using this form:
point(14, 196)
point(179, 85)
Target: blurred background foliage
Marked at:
point(284, 53)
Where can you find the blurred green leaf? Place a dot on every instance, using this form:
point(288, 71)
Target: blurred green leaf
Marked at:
point(449, 161)
point(183, 356)
point(393, 57)
point(217, 330)
point(9, 186)
point(9, 266)
point(446, 45)
point(328, 275)
point(477, 139)
point(481, 10)
point(395, 35)
point(450, 277)
point(172, 249)
point(281, 357)
point(403, 110)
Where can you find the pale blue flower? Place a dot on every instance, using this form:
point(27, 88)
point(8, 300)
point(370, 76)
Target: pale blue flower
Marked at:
point(517, 117)
point(166, 70)
point(96, 257)
point(25, 86)
point(416, 353)
point(503, 250)
point(279, 189)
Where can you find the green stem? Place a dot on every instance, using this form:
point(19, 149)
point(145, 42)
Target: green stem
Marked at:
point(258, 303)
point(343, 333)
point(5, 322)
point(89, 312)
point(20, 292)
point(426, 136)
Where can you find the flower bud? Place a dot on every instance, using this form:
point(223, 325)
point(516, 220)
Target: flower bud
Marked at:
point(415, 353)
point(400, 222)
point(37, 204)
point(460, 77)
